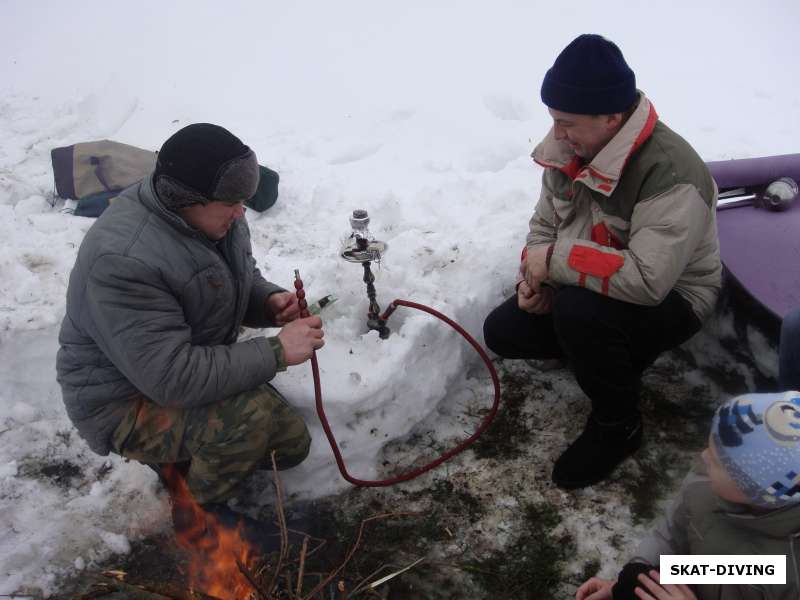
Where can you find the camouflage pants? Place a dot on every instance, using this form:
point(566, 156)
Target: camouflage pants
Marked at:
point(224, 442)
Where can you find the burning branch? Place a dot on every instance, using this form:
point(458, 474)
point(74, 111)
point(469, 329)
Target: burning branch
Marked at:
point(262, 593)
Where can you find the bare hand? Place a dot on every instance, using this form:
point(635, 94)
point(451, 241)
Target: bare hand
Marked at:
point(595, 589)
point(536, 270)
point(662, 591)
point(284, 307)
point(537, 303)
point(300, 338)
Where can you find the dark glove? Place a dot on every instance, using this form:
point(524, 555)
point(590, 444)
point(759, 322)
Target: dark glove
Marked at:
point(628, 581)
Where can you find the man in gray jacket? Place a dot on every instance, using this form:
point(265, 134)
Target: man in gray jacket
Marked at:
point(149, 365)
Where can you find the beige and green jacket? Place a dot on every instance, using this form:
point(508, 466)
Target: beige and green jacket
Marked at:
point(636, 222)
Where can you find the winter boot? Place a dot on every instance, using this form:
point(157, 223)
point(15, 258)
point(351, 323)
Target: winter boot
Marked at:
point(197, 527)
point(597, 451)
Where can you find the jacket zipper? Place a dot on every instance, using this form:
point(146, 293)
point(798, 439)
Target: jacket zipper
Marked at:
point(229, 261)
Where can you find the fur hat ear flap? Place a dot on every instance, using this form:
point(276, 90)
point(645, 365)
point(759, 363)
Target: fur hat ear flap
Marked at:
point(202, 163)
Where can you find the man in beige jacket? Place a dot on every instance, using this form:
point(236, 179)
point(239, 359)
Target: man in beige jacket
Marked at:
point(622, 258)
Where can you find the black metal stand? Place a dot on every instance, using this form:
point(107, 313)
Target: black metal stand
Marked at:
point(362, 249)
point(374, 320)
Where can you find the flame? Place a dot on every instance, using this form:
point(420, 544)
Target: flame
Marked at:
point(213, 548)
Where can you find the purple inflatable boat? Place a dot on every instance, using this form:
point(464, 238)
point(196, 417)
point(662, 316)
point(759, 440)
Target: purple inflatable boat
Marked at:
point(758, 217)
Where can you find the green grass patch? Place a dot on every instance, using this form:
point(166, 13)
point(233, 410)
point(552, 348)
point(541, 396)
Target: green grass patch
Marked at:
point(531, 566)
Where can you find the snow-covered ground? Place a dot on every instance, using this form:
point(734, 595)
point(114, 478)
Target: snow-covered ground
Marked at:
point(422, 113)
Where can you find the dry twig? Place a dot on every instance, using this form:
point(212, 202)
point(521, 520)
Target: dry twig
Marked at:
point(354, 548)
point(302, 567)
point(252, 580)
point(383, 580)
point(281, 523)
point(365, 581)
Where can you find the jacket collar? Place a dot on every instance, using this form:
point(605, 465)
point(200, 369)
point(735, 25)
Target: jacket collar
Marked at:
point(779, 523)
point(602, 174)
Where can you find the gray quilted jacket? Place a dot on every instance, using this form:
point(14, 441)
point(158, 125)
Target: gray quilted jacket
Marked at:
point(154, 308)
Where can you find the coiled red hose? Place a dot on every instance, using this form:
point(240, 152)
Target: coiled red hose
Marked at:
point(442, 458)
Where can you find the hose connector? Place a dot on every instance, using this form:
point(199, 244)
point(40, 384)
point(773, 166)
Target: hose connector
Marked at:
point(388, 312)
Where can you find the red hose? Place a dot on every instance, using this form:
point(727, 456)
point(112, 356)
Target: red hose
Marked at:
point(447, 455)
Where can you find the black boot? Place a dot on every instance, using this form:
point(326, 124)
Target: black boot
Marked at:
point(196, 526)
point(597, 451)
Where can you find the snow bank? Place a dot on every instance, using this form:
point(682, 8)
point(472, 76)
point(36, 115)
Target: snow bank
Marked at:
point(424, 116)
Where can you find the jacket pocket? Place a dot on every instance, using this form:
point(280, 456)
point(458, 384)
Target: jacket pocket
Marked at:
point(209, 305)
point(589, 261)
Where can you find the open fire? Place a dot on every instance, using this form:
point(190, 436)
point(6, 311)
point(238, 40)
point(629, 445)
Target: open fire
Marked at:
point(215, 551)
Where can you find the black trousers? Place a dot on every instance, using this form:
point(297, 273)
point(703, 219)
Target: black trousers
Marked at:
point(608, 343)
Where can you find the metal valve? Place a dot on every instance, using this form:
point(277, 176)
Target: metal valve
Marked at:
point(780, 194)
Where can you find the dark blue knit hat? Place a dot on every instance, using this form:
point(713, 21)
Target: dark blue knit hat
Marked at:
point(590, 77)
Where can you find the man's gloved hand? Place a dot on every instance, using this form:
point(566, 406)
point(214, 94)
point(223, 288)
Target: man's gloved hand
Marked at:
point(300, 338)
point(284, 307)
point(640, 581)
point(658, 591)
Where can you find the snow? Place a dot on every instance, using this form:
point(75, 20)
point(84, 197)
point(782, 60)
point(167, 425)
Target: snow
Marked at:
point(424, 114)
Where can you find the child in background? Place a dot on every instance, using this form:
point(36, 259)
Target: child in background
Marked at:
point(743, 498)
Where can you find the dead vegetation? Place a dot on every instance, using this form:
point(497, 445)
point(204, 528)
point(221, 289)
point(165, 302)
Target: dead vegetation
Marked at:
point(489, 523)
point(288, 574)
